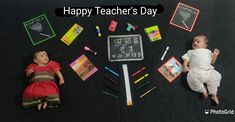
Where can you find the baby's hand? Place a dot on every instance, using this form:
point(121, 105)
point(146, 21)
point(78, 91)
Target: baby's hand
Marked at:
point(216, 51)
point(29, 72)
point(61, 82)
point(186, 69)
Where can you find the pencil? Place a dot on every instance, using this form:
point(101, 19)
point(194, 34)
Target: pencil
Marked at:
point(110, 70)
point(147, 92)
point(115, 82)
point(138, 72)
point(144, 84)
point(146, 75)
point(114, 96)
point(108, 87)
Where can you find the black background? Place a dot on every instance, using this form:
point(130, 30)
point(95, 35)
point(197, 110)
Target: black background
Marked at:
point(84, 101)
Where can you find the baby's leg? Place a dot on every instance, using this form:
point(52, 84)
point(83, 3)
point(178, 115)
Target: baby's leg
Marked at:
point(213, 84)
point(213, 88)
point(195, 84)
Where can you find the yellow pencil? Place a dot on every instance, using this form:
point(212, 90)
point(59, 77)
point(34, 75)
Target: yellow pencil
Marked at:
point(146, 75)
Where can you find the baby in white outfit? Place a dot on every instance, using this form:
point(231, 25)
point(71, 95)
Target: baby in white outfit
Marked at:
point(200, 71)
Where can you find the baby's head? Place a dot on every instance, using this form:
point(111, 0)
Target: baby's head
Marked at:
point(199, 41)
point(40, 57)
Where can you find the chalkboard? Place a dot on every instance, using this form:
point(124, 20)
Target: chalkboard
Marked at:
point(39, 29)
point(125, 48)
point(184, 17)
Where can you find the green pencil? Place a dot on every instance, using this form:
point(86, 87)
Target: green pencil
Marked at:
point(144, 84)
point(114, 96)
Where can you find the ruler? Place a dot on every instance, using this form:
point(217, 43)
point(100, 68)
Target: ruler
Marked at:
point(127, 85)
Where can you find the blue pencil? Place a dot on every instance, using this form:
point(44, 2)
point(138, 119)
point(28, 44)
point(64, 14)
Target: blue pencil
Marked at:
point(110, 70)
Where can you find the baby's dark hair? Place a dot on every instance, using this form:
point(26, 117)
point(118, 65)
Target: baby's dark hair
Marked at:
point(36, 52)
point(201, 36)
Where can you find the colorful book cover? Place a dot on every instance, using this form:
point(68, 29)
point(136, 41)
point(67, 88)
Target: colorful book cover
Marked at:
point(73, 32)
point(153, 33)
point(171, 69)
point(83, 67)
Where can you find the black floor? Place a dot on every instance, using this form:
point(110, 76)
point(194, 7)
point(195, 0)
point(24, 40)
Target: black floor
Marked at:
point(84, 101)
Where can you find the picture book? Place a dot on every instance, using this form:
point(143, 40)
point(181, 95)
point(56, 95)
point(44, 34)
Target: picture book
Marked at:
point(83, 67)
point(171, 69)
point(73, 32)
point(153, 33)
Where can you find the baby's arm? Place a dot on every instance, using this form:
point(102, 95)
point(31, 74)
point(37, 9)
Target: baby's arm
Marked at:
point(29, 72)
point(185, 65)
point(214, 55)
point(59, 74)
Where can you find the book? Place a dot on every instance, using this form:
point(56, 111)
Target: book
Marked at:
point(153, 33)
point(72, 34)
point(171, 69)
point(83, 67)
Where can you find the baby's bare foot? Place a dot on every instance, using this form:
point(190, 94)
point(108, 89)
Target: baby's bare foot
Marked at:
point(39, 106)
point(205, 94)
point(44, 105)
point(215, 99)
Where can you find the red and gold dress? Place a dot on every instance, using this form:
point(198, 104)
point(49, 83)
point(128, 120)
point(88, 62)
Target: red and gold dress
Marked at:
point(42, 86)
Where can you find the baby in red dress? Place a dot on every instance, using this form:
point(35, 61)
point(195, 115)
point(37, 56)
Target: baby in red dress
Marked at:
point(42, 90)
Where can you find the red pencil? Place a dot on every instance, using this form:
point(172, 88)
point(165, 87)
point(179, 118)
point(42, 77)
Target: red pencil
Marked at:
point(138, 72)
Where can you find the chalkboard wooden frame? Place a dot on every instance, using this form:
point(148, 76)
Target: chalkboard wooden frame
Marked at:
point(109, 38)
point(181, 24)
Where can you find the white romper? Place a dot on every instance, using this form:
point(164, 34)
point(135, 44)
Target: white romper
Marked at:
point(201, 71)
